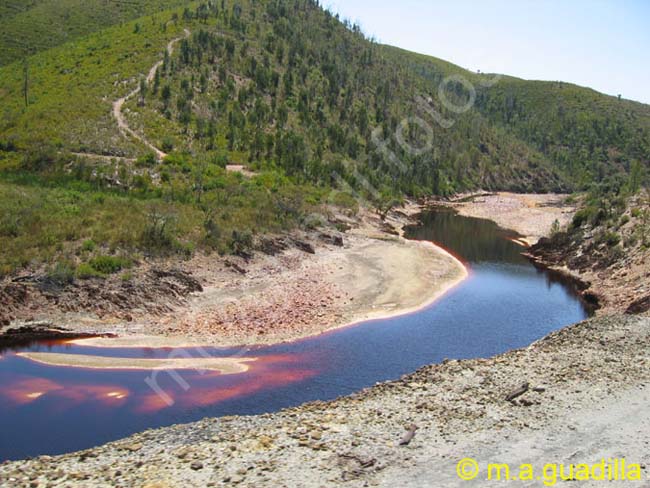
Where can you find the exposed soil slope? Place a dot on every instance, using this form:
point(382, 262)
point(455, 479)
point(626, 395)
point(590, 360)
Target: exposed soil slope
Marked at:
point(296, 285)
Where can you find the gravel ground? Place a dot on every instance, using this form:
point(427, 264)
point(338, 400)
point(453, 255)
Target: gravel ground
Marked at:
point(588, 400)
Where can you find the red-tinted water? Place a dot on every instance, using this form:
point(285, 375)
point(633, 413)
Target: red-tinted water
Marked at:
point(506, 303)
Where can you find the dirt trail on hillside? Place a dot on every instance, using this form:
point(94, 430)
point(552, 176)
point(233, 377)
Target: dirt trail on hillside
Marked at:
point(119, 103)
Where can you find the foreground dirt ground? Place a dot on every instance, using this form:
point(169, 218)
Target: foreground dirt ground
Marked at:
point(589, 402)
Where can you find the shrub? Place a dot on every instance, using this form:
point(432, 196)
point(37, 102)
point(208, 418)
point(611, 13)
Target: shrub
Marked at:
point(9, 225)
point(89, 245)
point(212, 232)
point(631, 240)
point(146, 161)
point(157, 235)
point(555, 228)
point(241, 242)
point(582, 216)
point(109, 264)
point(186, 250)
point(128, 276)
point(40, 156)
point(85, 271)
point(221, 160)
point(615, 254)
point(344, 200)
point(612, 239)
point(599, 217)
point(167, 145)
point(313, 221)
point(62, 273)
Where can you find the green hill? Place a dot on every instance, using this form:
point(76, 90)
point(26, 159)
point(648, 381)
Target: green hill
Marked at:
point(31, 26)
point(290, 91)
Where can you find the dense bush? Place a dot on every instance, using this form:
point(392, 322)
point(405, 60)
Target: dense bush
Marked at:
point(612, 239)
point(85, 271)
point(582, 216)
point(109, 264)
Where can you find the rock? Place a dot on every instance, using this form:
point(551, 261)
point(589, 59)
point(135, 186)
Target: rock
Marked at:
point(389, 229)
point(265, 442)
point(639, 306)
point(134, 447)
point(196, 465)
point(235, 266)
point(182, 454)
point(304, 246)
point(330, 239)
point(272, 246)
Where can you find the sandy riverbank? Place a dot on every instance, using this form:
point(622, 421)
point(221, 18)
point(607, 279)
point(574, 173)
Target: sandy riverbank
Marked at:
point(531, 216)
point(295, 294)
point(224, 366)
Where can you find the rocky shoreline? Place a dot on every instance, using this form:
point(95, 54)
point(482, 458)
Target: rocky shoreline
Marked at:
point(608, 279)
point(611, 263)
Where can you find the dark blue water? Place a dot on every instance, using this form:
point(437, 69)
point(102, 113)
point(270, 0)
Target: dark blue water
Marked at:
point(506, 303)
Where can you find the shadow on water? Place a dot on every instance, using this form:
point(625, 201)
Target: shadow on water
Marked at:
point(506, 303)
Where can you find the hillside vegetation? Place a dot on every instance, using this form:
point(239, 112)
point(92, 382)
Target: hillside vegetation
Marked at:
point(31, 26)
point(285, 88)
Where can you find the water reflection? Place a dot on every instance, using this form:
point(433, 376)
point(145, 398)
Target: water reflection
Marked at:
point(506, 303)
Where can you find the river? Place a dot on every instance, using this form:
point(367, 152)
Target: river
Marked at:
point(505, 303)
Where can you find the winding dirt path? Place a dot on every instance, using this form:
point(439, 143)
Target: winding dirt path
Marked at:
point(119, 103)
